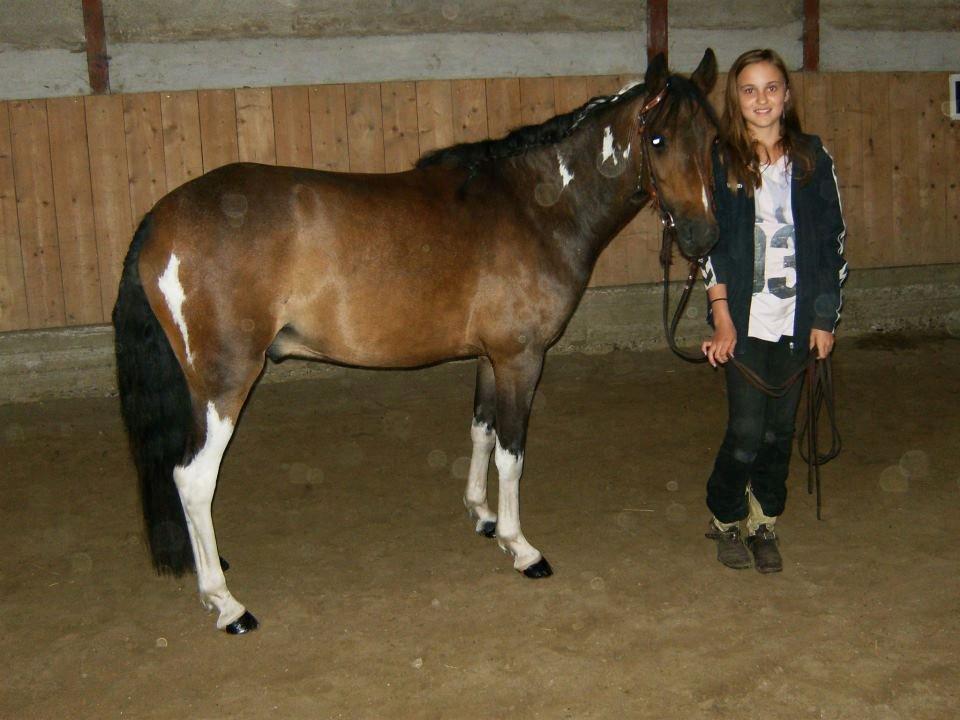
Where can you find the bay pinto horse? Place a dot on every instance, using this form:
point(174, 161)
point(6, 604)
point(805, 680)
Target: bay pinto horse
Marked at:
point(483, 250)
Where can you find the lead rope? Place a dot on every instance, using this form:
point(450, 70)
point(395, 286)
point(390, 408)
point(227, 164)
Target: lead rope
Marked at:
point(817, 374)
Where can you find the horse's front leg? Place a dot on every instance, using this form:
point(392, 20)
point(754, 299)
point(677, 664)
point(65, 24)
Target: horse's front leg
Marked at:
point(484, 438)
point(516, 381)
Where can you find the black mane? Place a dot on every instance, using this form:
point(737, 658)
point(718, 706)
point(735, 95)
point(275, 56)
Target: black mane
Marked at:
point(519, 141)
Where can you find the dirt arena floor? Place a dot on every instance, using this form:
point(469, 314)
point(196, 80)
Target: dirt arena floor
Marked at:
point(339, 510)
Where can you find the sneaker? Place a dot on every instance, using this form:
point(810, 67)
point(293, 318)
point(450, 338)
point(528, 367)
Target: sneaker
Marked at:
point(766, 554)
point(730, 548)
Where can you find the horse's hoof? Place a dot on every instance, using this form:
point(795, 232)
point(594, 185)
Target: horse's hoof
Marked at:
point(244, 624)
point(224, 565)
point(539, 569)
point(487, 529)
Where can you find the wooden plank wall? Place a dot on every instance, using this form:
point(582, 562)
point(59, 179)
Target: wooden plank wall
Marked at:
point(77, 174)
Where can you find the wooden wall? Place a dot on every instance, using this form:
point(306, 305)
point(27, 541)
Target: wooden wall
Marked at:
point(76, 174)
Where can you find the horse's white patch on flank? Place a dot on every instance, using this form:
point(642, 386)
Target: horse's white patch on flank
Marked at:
point(196, 483)
point(475, 497)
point(565, 175)
point(509, 536)
point(174, 294)
point(608, 150)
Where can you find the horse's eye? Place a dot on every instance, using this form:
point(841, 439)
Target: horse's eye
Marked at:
point(658, 141)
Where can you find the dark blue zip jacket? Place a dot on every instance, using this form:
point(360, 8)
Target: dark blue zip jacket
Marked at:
point(820, 232)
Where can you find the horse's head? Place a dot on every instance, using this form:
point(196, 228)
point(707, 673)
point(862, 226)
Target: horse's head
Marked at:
point(678, 127)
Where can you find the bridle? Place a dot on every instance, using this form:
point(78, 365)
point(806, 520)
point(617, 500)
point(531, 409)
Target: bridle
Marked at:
point(649, 178)
point(816, 375)
point(646, 172)
point(669, 228)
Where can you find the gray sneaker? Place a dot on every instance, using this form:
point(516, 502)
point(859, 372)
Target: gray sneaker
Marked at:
point(766, 554)
point(730, 548)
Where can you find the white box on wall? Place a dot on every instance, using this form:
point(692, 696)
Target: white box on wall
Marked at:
point(955, 97)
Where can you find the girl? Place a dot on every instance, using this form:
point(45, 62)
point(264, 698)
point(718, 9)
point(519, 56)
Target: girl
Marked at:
point(773, 282)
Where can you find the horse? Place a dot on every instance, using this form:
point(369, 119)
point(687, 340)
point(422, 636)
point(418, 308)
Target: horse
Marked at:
point(481, 250)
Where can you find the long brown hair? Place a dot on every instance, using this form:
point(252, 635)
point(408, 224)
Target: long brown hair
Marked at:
point(741, 150)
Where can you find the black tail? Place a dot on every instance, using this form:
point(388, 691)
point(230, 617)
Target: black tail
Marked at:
point(157, 411)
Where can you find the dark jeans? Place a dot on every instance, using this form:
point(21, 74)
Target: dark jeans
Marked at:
point(759, 438)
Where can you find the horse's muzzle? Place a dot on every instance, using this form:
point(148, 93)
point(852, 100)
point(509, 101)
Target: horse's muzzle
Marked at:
point(696, 237)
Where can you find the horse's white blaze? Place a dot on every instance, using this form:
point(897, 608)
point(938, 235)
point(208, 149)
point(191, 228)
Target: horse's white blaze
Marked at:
point(475, 497)
point(706, 200)
point(565, 175)
point(626, 153)
point(509, 536)
point(174, 294)
point(608, 151)
point(196, 483)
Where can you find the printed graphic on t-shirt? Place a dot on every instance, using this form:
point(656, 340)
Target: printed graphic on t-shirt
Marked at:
point(774, 256)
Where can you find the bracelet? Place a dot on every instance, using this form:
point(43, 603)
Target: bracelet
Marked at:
point(716, 299)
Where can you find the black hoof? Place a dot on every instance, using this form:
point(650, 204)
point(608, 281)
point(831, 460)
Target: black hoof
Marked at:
point(224, 565)
point(244, 624)
point(539, 569)
point(488, 529)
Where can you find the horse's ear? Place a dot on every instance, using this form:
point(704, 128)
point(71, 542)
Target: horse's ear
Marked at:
point(656, 75)
point(705, 76)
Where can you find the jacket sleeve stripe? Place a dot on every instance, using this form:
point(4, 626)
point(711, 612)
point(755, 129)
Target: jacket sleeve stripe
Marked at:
point(841, 237)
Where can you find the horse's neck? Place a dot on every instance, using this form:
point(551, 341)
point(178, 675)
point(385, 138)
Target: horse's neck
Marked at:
point(585, 188)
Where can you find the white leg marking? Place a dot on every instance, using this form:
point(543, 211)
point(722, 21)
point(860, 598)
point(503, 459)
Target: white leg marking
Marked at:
point(172, 290)
point(196, 483)
point(475, 497)
point(509, 536)
point(565, 175)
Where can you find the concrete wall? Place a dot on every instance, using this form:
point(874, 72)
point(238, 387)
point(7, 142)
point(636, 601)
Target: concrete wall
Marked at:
point(77, 362)
point(177, 44)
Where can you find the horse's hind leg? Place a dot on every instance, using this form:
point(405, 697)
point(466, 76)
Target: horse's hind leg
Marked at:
point(516, 380)
point(483, 437)
point(196, 482)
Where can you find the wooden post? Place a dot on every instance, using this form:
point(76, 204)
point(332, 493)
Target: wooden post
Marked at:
point(98, 63)
point(811, 35)
point(656, 28)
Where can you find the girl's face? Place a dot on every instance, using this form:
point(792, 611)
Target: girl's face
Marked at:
point(762, 91)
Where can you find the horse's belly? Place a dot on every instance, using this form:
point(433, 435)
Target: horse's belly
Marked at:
point(378, 333)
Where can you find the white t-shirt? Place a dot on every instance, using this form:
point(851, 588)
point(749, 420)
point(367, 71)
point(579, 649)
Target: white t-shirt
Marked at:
point(774, 256)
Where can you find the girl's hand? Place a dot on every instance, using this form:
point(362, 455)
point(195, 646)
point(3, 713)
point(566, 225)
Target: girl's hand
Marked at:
point(823, 341)
point(719, 348)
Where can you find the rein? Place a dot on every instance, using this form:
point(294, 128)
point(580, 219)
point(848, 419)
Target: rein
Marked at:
point(817, 376)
